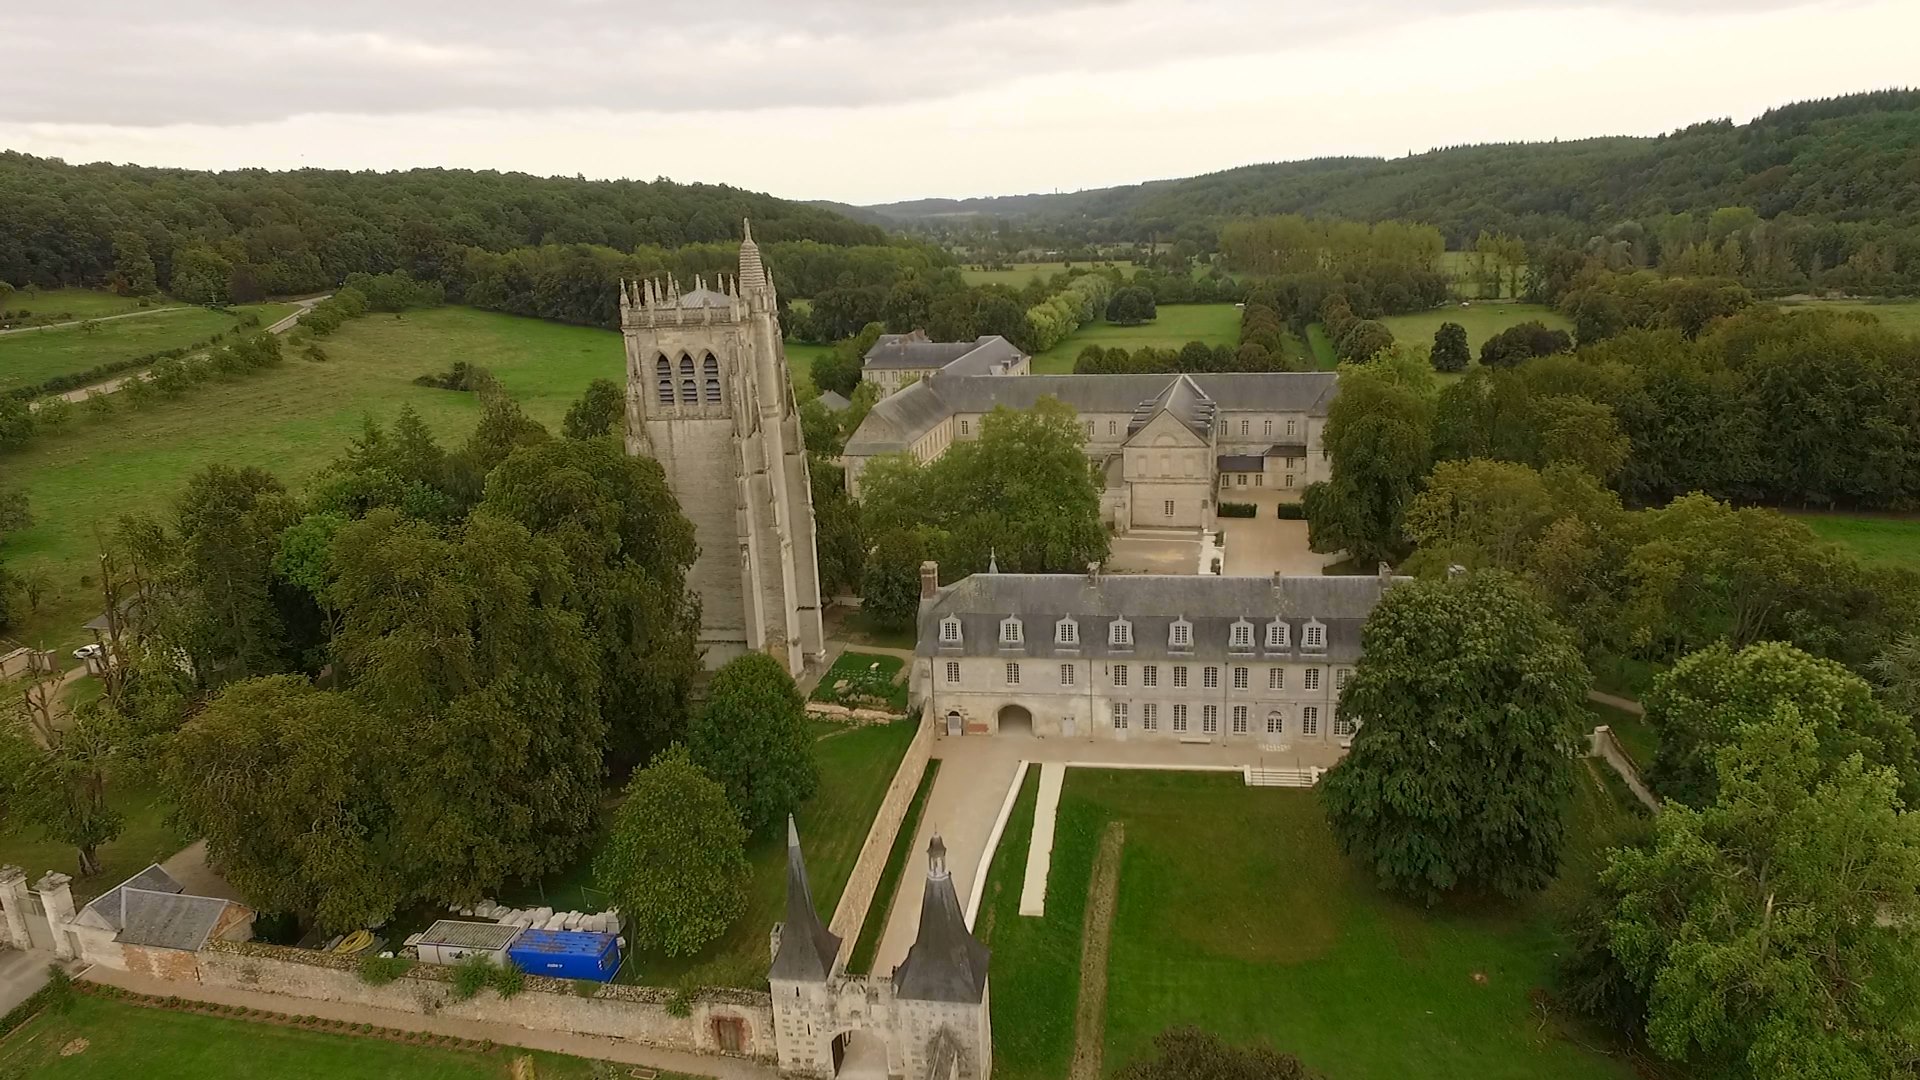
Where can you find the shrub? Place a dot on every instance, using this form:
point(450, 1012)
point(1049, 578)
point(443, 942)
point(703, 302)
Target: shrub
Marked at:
point(508, 979)
point(470, 976)
point(378, 970)
point(1238, 510)
point(1291, 511)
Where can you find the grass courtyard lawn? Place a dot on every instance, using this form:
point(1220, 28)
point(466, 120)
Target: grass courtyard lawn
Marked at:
point(146, 838)
point(79, 303)
point(1878, 539)
point(30, 358)
point(292, 419)
point(1902, 315)
point(123, 1040)
point(856, 765)
point(1237, 912)
point(1215, 324)
point(868, 674)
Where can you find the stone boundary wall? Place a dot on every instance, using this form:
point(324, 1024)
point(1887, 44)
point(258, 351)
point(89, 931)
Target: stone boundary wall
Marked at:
point(851, 913)
point(636, 1013)
point(841, 714)
point(1605, 745)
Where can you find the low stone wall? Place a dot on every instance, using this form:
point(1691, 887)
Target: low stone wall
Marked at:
point(1606, 746)
point(638, 1013)
point(841, 714)
point(851, 913)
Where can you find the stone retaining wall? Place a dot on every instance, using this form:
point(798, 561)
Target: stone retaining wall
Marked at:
point(851, 913)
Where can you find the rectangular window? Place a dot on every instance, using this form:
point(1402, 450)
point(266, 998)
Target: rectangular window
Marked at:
point(1266, 427)
point(1239, 719)
point(963, 427)
point(1276, 725)
point(1120, 634)
point(1240, 479)
point(1119, 674)
point(1182, 635)
point(1013, 674)
point(1289, 479)
point(1239, 678)
point(1066, 632)
point(1209, 719)
point(1342, 727)
point(1340, 678)
point(1313, 678)
point(950, 632)
point(1242, 637)
point(1113, 428)
point(1167, 508)
point(1310, 720)
point(1243, 427)
point(1314, 637)
point(1180, 718)
point(953, 671)
point(1289, 427)
point(1226, 481)
point(1210, 677)
point(1179, 676)
point(1277, 678)
point(1259, 480)
point(1149, 717)
point(1119, 716)
point(1150, 675)
point(1277, 635)
point(1089, 429)
point(1066, 674)
point(1010, 632)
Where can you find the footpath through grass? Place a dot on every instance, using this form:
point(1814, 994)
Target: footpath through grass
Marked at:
point(1177, 324)
point(1238, 913)
point(31, 358)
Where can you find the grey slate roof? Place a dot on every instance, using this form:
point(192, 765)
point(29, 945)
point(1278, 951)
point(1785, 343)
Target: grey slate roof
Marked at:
point(1292, 449)
point(167, 920)
point(946, 962)
point(108, 905)
point(1181, 398)
point(1242, 462)
point(1152, 603)
point(913, 351)
point(807, 947)
point(699, 298)
point(834, 401)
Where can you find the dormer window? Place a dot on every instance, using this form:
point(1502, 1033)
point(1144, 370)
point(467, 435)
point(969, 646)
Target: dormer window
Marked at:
point(1120, 634)
point(1279, 635)
point(950, 630)
point(1180, 634)
point(1313, 636)
point(1242, 636)
point(1010, 631)
point(1066, 632)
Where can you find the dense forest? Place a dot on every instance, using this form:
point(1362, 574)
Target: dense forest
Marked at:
point(1833, 179)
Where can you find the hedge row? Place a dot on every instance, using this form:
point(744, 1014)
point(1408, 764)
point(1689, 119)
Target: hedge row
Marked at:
point(60, 384)
point(1238, 510)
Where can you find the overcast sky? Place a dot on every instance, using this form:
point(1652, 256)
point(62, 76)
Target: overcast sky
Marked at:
point(875, 100)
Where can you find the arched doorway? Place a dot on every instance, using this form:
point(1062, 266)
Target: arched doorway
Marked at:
point(955, 724)
point(859, 1054)
point(1015, 720)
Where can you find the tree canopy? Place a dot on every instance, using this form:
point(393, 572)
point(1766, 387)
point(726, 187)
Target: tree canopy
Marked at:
point(752, 738)
point(675, 860)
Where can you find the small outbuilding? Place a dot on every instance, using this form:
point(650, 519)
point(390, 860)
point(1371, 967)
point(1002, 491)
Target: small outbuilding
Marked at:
point(450, 941)
point(567, 954)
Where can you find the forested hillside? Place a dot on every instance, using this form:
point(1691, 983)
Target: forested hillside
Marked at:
point(252, 232)
point(1844, 172)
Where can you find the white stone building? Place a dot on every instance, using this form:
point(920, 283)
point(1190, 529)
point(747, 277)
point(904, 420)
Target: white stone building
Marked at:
point(898, 360)
point(1177, 659)
point(1171, 447)
point(709, 396)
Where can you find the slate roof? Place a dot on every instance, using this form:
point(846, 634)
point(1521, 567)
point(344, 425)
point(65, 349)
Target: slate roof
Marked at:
point(1181, 398)
point(699, 298)
point(834, 401)
point(107, 908)
point(1292, 449)
point(151, 908)
point(913, 351)
point(1152, 603)
point(807, 947)
point(946, 962)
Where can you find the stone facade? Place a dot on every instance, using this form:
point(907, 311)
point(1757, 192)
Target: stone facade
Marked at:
point(1174, 659)
point(709, 397)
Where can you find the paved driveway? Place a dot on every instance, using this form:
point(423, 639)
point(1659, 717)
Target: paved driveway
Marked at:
point(1265, 545)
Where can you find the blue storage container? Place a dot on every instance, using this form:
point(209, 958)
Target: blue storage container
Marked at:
point(566, 954)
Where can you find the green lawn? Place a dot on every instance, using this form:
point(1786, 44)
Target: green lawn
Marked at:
point(78, 303)
point(292, 419)
point(1215, 324)
point(800, 358)
point(144, 840)
point(1887, 541)
point(30, 358)
point(122, 1040)
point(1481, 321)
point(864, 948)
point(856, 766)
point(1237, 912)
point(1901, 315)
point(868, 673)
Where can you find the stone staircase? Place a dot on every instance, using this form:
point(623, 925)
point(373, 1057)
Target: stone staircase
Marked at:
point(1257, 776)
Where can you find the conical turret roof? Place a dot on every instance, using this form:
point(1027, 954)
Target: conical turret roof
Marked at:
point(753, 274)
point(946, 963)
point(807, 947)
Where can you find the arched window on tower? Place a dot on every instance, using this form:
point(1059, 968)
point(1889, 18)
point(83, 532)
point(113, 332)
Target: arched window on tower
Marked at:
point(710, 368)
point(689, 393)
point(664, 372)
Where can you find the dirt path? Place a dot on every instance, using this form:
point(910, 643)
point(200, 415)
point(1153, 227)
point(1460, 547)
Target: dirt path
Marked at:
point(1090, 1019)
point(1616, 701)
point(79, 396)
point(101, 318)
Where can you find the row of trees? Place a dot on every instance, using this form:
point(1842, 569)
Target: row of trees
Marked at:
point(1194, 357)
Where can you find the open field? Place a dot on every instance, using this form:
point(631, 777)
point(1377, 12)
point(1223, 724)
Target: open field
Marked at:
point(98, 1038)
point(292, 419)
point(1481, 321)
point(856, 765)
point(1215, 324)
point(1874, 538)
point(800, 358)
point(62, 304)
point(1019, 274)
point(1265, 932)
point(1458, 265)
point(145, 839)
point(1901, 315)
point(30, 358)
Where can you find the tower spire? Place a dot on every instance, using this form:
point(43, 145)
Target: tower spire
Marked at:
point(753, 273)
point(946, 962)
point(807, 948)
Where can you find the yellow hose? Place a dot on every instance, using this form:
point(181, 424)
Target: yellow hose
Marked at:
point(354, 942)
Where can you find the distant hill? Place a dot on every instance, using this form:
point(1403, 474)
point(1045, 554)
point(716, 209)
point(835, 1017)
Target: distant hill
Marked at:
point(1842, 160)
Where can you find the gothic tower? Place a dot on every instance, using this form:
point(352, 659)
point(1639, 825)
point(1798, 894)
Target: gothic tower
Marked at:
point(708, 396)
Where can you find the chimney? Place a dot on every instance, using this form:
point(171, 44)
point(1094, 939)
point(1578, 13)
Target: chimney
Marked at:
point(929, 579)
point(1093, 574)
point(1279, 580)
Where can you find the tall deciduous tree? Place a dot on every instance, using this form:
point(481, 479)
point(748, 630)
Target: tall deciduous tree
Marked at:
point(56, 776)
point(1471, 699)
point(1450, 352)
point(1379, 436)
point(675, 860)
point(599, 411)
point(1773, 930)
point(752, 737)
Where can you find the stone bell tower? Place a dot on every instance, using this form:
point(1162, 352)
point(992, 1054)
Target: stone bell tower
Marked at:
point(709, 397)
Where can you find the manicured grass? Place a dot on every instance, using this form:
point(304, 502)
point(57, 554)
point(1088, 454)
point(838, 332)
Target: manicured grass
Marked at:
point(861, 629)
point(79, 303)
point(1215, 324)
point(1237, 912)
point(123, 1040)
point(145, 839)
point(1901, 315)
point(1321, 346)
point(293, 420)
point(30, 358)
point(856, 766)
point(1481, 321)
point(861, 960)
point(800, 358)
point(872, 671)
point(1882, 540)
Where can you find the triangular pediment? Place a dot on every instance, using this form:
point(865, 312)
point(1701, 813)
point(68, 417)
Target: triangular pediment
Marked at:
point(1166, 429)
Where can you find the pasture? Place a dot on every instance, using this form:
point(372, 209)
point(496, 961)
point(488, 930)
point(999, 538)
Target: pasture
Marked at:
point(1018, 275)
point(1236, 911)
point(59, 305)
point(36, 355)
point(1481, 322)
point(291, 420)
point(1902, 315)
point(1215, 324)
point(1876, 539)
